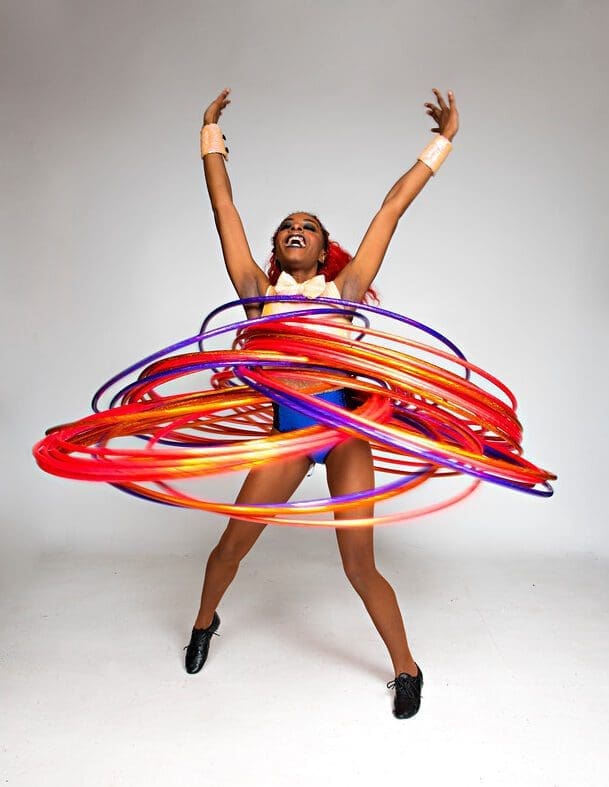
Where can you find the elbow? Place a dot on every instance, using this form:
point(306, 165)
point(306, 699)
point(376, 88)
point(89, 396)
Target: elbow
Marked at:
point(391, 211)
point(395, 207)
point(221, 207)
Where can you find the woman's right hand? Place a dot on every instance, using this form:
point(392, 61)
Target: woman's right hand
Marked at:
point(214, 110)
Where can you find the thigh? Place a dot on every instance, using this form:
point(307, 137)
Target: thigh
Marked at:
point(272, 483)
point(349, 469)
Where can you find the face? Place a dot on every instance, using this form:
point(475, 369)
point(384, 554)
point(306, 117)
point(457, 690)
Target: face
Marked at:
point(299, 243)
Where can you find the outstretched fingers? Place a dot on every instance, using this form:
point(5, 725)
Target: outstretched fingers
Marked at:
point(440, 99)
point(214, 110)
point(223, 97)
point(445, 115)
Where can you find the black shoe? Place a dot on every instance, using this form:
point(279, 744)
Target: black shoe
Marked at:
point(407, 694)
point(198, 647)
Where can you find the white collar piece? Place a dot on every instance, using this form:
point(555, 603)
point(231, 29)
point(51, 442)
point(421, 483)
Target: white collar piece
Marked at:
point(312, 288)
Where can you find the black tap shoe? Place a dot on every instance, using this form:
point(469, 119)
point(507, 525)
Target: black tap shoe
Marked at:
point(198, 647)
point(407, 694)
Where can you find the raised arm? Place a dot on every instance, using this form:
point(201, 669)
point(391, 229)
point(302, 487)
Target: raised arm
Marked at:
point(247, 278)
point(354, 280)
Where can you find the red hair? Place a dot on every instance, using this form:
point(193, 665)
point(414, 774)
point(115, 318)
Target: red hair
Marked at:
point(336, 259)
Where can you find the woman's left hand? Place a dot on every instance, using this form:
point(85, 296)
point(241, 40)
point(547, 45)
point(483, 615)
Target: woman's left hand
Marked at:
point(446, 117)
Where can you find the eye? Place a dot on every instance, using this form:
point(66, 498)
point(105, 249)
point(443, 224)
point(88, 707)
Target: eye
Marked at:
point(308, 226)
point(286, 225)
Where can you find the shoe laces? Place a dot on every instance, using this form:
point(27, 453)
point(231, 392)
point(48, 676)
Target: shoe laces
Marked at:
point(405, 684)
point(205, 634)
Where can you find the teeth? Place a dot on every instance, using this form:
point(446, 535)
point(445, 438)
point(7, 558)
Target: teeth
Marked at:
point(296, 240)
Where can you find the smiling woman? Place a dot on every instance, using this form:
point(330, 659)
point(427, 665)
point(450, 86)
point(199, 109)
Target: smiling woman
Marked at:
point(316, 266)
point(335, 394)
point(331, 258)
point(299, 244)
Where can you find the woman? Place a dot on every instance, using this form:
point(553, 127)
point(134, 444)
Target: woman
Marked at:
point(301, 248)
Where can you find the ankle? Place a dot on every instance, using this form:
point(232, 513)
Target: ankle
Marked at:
point(204, 621)
point(407, 666)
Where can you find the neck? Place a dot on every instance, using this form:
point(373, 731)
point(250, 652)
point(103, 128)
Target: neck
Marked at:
point(301, 276)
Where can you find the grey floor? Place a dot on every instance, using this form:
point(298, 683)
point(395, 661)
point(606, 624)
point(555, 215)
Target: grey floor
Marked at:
point(514, 651)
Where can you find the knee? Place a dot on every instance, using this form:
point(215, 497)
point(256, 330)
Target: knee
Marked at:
point(361, 574)
point(229, 553)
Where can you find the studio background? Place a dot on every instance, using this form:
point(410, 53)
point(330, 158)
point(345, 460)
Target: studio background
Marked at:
point(110, 251)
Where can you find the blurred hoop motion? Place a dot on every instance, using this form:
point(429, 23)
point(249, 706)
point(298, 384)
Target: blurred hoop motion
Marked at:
point(422, 420)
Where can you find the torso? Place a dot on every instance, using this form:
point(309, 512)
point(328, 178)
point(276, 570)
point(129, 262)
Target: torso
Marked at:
point(343, 329)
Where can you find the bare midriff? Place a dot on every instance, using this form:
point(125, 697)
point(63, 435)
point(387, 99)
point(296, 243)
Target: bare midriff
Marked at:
point(344, 329)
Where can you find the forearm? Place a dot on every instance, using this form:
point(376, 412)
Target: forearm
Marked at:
point(407, 188)
point(217, 180)
point(411, 183)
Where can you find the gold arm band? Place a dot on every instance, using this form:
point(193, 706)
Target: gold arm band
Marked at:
point(435, 153)
point(212, 140)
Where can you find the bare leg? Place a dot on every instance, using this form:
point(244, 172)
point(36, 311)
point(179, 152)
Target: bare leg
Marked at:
point(349, 469)
point(276, 482)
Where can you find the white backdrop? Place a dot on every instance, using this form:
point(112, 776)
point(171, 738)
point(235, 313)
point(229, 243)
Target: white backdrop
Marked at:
point(109, 249)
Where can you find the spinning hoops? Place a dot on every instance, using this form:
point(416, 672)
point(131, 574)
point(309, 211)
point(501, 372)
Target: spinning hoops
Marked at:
point(422, 419)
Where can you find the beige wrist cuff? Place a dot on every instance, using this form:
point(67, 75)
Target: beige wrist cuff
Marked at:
point(435, 153)
point(212, 140)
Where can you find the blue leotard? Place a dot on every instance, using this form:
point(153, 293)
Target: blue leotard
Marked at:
point(287, 420)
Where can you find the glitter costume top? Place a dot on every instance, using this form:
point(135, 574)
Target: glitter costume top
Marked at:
point(317, 287)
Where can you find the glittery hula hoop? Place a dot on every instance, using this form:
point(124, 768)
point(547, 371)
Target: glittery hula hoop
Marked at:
point(421, 419)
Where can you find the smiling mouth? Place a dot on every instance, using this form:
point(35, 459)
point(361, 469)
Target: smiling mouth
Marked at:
point(295, 241)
